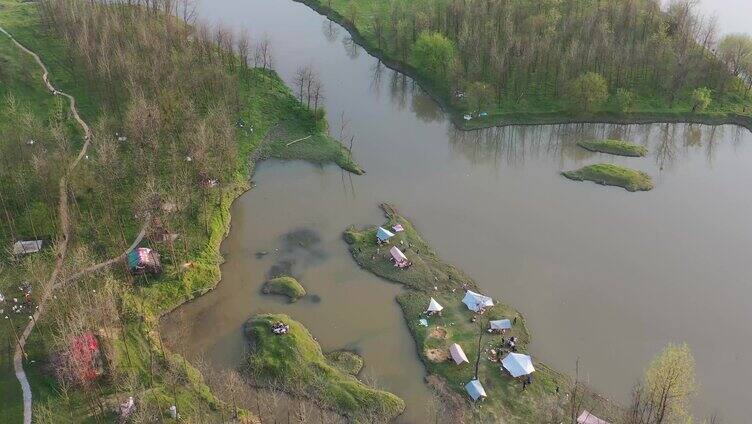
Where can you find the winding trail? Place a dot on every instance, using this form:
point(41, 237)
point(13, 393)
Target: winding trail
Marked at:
point(61, 245)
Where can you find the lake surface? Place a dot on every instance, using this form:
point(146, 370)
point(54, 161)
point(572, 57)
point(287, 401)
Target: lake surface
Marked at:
point(601, 274)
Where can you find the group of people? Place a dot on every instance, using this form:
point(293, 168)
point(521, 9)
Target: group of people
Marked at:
point(280, 328)
point(510, 344)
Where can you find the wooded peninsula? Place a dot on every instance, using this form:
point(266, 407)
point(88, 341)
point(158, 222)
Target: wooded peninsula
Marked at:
point(497, 62)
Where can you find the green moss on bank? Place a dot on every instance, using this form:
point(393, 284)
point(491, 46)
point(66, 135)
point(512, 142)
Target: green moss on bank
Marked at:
point(295, 362)
point(544, 401)
point(285, 286)
point(613, 175)
point(614, 147)
point(348, 362)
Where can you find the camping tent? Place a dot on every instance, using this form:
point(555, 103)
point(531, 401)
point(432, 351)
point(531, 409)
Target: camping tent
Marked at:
point(475, 390)
point(399, 258)
point(143, 260)
point(588, 418)
point(518, 364)
point(475, 302)
point(24, 247)
point(458, 354)
point(434, 306)
point(501, 324)
point(383, 234)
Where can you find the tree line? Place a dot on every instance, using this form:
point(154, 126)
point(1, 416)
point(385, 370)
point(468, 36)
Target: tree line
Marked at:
point(522, 52)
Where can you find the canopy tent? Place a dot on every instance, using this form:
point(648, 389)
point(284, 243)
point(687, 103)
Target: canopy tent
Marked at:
point(588, 418)
point(475, 302)
point(518, 364)
point(398, 228)
point(434, 306)
point(383, 234)
point(501, 324)
point(458, 354)
point(24, 247)
point(475, 390)
point(400, 259)
point(143, 259)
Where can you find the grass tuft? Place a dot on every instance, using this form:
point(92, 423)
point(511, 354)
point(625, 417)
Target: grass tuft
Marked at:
point(285, 286)
point(614, 147)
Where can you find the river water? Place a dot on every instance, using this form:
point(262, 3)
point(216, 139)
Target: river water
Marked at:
point(601, 274)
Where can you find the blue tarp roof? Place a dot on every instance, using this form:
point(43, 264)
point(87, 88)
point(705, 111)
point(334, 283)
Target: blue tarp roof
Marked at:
point(475, 390)
point(384, 234)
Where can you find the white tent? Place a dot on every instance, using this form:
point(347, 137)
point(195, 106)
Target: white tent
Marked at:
point(397, 254)
point(501, 324)
point(434, 306)
point(458, 354)
point(475, 390)
point(588, 418)
point(24, 247)
point(475, 302)
point(518, 364)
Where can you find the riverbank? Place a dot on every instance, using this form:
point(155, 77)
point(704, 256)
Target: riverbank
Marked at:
point(293, 362)
point(549, 113)
point(138, 363)
point(546, 400)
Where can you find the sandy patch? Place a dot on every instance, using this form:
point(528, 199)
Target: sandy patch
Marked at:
point(438, 333)
point(437, 355)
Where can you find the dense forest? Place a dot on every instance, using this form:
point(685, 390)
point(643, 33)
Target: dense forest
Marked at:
point(549, 55)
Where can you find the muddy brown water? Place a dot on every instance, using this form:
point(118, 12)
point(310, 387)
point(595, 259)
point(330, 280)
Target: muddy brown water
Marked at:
point(601, 274)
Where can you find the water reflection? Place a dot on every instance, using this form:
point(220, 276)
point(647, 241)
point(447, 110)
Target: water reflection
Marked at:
point(330, 30)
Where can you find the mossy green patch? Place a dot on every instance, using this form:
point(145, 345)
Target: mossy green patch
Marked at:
point(295, 362)
point(613, 175)
point(285, 286)
point(614, 147)
point(346, 361)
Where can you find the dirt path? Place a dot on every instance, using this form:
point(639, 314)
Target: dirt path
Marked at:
point(61, 245)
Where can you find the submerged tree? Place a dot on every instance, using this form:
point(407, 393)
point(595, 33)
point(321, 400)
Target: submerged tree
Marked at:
point(668, 387)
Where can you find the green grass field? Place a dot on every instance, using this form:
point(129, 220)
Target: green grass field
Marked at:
point(613, 175)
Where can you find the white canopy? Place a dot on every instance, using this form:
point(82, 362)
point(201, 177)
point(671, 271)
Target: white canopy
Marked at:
point(501, 324)
point(458, 354)
point(397, 254)
point(475, 302)
point(434, 306)
point(518, 364)
point(475, 390)
point(24, 247)
point(588, 418)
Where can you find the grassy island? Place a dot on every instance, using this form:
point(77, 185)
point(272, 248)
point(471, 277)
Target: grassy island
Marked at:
point(175, 137)
point(347, 361)
point(545, 400)
point(613, 175)
point(295, 362)
point(583, 61)
point(614, 147)
point(285, 286)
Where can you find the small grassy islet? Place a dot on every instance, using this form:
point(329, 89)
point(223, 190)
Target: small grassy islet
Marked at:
point(614, 147)
point(613, 175)
point(285, 286)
